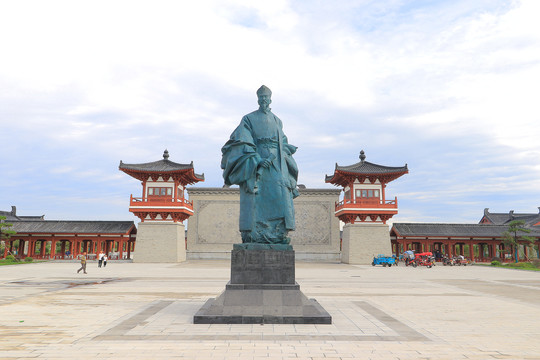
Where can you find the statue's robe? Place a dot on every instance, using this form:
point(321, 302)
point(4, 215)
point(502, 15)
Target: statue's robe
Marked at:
point(266, 194)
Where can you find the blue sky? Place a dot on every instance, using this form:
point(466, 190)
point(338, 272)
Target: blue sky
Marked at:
point(448, 87)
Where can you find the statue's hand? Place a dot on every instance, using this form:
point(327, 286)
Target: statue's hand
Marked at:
point(265, 163)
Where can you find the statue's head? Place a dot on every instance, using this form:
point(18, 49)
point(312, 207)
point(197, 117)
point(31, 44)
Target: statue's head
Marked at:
point(264, 95)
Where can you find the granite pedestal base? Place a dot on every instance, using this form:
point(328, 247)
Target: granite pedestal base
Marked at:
point(262, 290)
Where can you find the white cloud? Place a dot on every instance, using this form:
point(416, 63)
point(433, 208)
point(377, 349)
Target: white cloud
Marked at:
point(448, 87)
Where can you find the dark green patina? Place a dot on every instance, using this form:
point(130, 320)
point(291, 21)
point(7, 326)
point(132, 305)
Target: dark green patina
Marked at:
point(259, 159)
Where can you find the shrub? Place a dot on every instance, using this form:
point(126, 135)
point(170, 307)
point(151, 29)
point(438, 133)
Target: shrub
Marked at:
point(10, 258)
point(520, 265)
point(496, 258)
point(28, 259)
point(516, 265)
point(495, 263)
point(536, 263)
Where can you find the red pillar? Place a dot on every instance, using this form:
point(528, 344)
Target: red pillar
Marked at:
point(471, 251)
point(53, 249)
point(42, 246)
point(32, 248)
point(21, 246)
point(481, 252)
point(120, 249)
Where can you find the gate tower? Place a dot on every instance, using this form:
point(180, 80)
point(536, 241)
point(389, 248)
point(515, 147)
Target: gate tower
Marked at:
point(162, 208)
point(364, 208)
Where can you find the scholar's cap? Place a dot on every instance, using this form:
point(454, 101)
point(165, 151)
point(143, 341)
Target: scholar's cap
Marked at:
point(264, 90)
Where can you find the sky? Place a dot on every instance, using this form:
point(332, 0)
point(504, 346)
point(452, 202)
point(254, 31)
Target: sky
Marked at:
point(449, 88)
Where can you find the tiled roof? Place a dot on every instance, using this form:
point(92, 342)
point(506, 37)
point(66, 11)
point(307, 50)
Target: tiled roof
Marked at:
point(160, 166)
point(72, 227)
point(367, 168)
point(452, 230)
point(12, 216)
point(157, 166)
point(530, 219)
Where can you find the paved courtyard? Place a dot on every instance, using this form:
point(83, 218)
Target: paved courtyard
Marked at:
point(145, 311)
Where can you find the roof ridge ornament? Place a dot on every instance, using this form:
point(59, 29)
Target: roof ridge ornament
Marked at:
point(166, 154)
point(362, 156)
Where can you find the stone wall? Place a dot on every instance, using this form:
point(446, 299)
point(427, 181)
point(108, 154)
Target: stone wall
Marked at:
point(160, 242)
point(361, 242)
point(213, 229)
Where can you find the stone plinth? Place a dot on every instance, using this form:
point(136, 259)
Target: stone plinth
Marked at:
point(262, 290)
point(262, 267)
point(361, 242)
point(160, 243)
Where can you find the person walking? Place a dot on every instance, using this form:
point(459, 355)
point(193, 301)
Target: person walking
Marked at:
point(83, 263)
point(105, 260)
point(100, 258)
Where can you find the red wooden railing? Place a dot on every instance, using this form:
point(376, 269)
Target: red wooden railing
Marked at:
point(159, 201)
point(367, 203)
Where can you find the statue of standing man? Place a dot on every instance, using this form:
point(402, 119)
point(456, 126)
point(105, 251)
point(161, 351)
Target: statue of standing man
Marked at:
point(259, 159)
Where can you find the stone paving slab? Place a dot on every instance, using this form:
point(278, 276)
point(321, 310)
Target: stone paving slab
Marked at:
point(145, 311)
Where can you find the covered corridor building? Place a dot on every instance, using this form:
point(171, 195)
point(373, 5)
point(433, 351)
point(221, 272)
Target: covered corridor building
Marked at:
point(479, 242)
point(64, 239)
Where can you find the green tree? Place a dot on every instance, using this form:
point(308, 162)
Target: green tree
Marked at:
point(512, 238)
point(5, 232)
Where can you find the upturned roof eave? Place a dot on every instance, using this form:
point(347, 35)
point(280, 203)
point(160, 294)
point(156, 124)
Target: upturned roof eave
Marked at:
point(335, 178)
point(167, 166)
point(356, 168)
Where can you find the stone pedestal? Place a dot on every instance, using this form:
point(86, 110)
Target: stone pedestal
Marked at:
point(160, 243)
point(262, 290)
point(361, 242)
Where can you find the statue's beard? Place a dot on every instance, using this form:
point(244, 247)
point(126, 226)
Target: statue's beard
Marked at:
point(265, 108)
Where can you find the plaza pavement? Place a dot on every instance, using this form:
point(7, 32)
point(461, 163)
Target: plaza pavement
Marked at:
point(145, 311)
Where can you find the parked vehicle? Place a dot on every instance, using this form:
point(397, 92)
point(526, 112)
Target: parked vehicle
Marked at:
point(424, 259)
point(384, 260)
point(408, 257)
point(456, 260)
point(461, 260)
point(448, 261)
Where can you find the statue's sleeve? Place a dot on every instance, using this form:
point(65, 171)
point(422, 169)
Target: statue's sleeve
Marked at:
point(240, 158)
point(292, 167)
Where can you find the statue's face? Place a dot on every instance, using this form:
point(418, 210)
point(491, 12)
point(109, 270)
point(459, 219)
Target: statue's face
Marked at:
point(264, 100)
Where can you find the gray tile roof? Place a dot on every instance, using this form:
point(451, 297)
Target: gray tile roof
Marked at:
point(160, 166)
point(12, 216)
point(504, 218)
point(73, 227)
point(452, 230)
point(157, 166)
point(367, 168)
